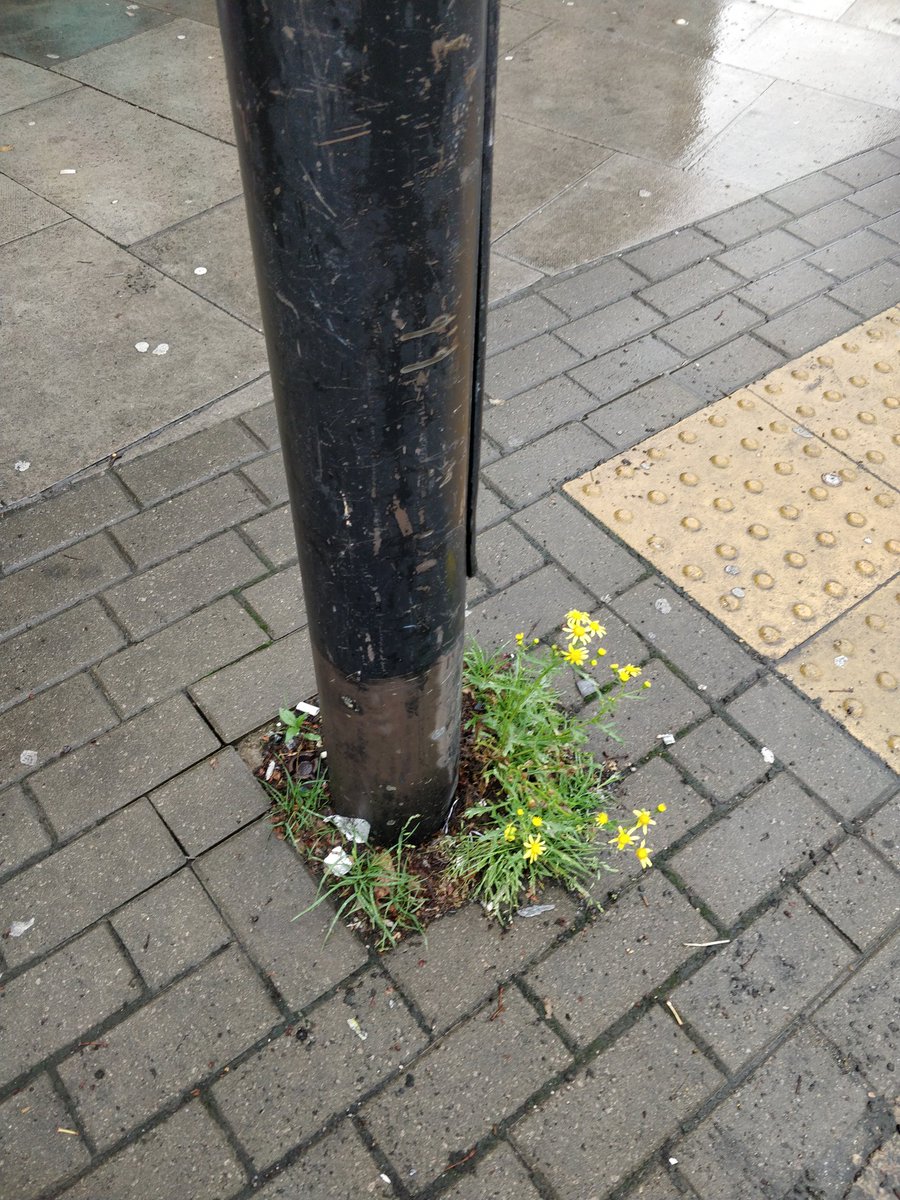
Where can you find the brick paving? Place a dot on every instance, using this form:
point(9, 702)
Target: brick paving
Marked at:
point(167, 1029)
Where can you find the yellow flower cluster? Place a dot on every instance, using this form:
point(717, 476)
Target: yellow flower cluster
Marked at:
point(625, 838)
point(533, 844)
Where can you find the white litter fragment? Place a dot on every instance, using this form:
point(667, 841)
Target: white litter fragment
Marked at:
point(68, 171)
point(270, 770)
point(357, 1028)
point(673, 1162)
point(51, 56)
point(841, 660)
point(667, 739)
point(731, 569)
point(354, 829)
point(310, 709)
point(29, 758)
point(181, 36)
point(587, 687)
point(162, 348)
point(142, 347)
point(662, 605)
point(535, 910)
point(802, 431)
point(384, 1178)
point(22, 465)
point(768, 756)
point(644, 194)
point(199, 270)
point(739, 592)
point(323, 754)
point(831, 479)
point(19, 927)
point(337, 861)
point(508, 57)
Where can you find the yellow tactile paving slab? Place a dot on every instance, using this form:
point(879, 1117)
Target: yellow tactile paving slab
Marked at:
point(848, 393)
point(853, 669)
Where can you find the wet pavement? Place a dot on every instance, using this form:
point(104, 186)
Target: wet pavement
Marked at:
point(726, 1029)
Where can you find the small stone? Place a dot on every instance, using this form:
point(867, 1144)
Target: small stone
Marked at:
point(199, 270)
point(587, 687)
point(22, 465)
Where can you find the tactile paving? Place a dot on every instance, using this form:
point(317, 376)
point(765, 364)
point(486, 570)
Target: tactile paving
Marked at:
point(847, 392)
point(753, 515)
point(853, 670)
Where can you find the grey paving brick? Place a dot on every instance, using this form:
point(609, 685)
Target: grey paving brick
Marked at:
point(672, 253)
point(176, 524)
point(536, 412)
point(719, 759)
point(275, 1099)
point(164, 593)
point(871, 292)
point(33, 1156)
point(648, 1081)
point(248, 693)
point(764, 253)
point(856, 891)
point(865, 169)
point(646, 410)
point(169, 660)
point(805, 1136)
point(273, 536)
point(783, 288)
point(30, 532)
point(889, 227)
point(490, 508)
point(261, 886)
point(210, 801)
point(424, 1127)
point(499, 1175)
point(56, 648)
point(121, 765)
point(709, 326)
point(881, 1172)
point(188, 1153)
point(189, 1031)
point(743, 221)
point(263, 423)
point(534, 606)
point(62, 998)
point(731, 366)
point(883, 830)
point(21, 834)
point(593, 287)
point(655, 1186)
point(882, 198)
point(485, 956)
point(828, 224)
point(669, 705)
point(504, 555)
point(171, 927)
point(767, 837)
point(55, 582)
point(64, 716)
point(579, 545)
point(268, 476)
point(278, 601)
point(697, 285)
point(624, 369)
point(540, 467)
point(852, 254)
point(75, 886)
point(519, 321)
point(838, 768)
point(750, 990)
point(188, 461)
point(335, 1168)
point(527, 365)
point(813, 191)
point(622, 956)
point(609, 327)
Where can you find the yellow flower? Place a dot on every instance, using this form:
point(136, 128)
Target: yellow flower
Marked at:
point(535, 641)
point(601, 818)
point(593, 662)
point(646, 684)
point(510, 833)
point(575, 615)
point(642, 818)
point(537, 822)
point(622, 839)
point(577, 633)
point(534, 848)
point(575, 655)
point(629, 671)
point(600, 652)
point(643, 856)
point(520, 812)
point(596, 629)
point(660, 808)
point(520, 638)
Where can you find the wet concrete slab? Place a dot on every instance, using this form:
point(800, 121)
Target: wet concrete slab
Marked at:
point(21, 212)
point(21, 84)
point(48, 31)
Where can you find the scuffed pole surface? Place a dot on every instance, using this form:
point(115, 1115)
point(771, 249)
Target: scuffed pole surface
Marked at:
point(360, 127)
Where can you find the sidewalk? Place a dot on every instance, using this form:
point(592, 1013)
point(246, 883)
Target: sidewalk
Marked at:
point(167, 1029)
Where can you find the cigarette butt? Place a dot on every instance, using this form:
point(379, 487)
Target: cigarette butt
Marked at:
point(672, 1009)
point(70, 1132)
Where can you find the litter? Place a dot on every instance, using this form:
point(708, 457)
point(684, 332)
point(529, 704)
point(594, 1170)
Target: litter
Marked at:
point(768, 756)
point(662, 606)
point(831, 479)
point(68, 171)
point(19, 927)
point(270, 770)
point(357, 1028)
point(731, 569)
point(644, 194)
point(841, 660)
point(586, 686)
point(674, 1011)
point(667, 739)
point(535, 910)
point(181, 36)
point(310, 709)
point(22, 465)
point(162, 348)
point(337, 861)
point(199, 270)
point(29, 758)
point(354, 829)
point(739, 592)
point(142, 347)
point(703, 945)
point(802, 431)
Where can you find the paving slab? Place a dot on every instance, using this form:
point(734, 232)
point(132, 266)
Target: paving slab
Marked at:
point(856, 891)
point(54, 30)
point(669, 706)
point(187, 1152)
point(525, 366)
point(268, 476)
point(88, 305)
point(75, 886)
point(731, 366)
point(535, 606)
point(871, 291)
point(719, 759)
point(508, 277)
point(529, 473)
point(210, 801)
point(504, 555)
point(647, 1081)
point(166, 1047)
point(499, 1175)
point(358, 1039)
point(33, 1154)
point(21, 212)
point(688, 289)
point(278, 602)
point(594, 287)
point(622, 370)
point(786, 287)
point(261, 885)
point(62, 519)
point(648, 409)
point(190, 460)
point(809, 192)
point(623, 321)
point(22, 84)
point(22, 836)
point(709, 326)
point(334, 1168)
point(884, 831)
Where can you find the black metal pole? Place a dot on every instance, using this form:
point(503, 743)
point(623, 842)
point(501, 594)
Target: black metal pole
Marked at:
point(361, 133)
